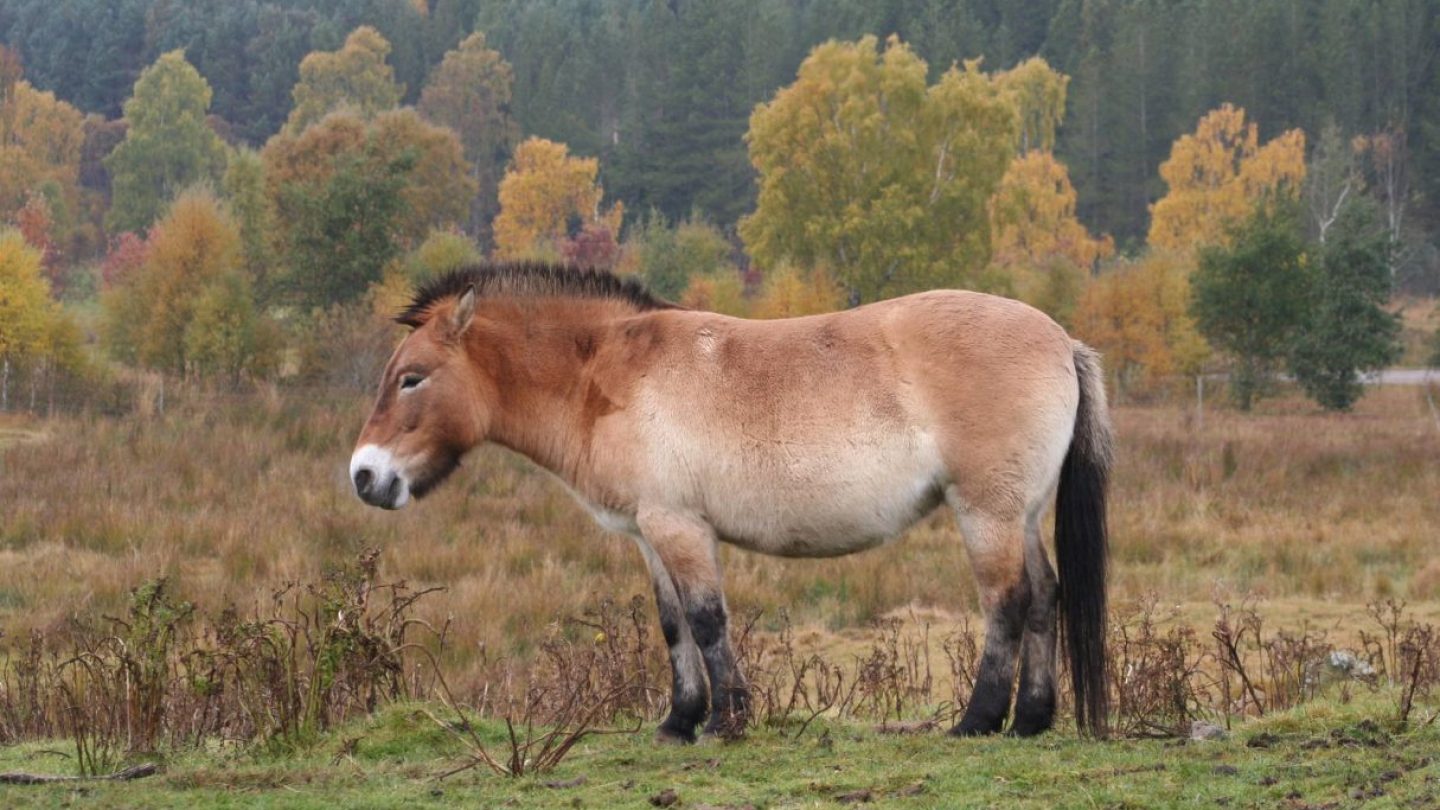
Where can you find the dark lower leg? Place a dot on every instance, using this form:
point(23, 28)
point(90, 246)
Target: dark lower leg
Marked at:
point(729, 696)
point(1035, 701)
point(990, 702)
point(687, 690)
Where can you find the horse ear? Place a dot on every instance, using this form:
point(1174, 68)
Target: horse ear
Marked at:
point(464, 312)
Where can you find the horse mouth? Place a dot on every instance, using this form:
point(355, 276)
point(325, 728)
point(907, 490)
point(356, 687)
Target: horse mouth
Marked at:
point(434, 476)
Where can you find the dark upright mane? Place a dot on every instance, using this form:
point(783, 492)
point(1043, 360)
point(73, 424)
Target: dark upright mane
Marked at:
point(527, 280)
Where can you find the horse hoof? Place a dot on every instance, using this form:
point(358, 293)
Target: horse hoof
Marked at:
point(727, 728)
point(1023, 727)
point(968, 729)
point(669, 736)
point(710, 735)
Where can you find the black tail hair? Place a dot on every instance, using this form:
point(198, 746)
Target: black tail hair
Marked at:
point(1081, 545)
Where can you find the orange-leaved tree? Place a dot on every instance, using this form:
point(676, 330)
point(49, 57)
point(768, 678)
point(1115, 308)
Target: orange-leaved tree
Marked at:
point(1138, 315)
point(40, 139)
point(545, 191)
point(1216, 177)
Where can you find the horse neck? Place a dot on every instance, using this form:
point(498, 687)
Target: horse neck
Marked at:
point(540, 357)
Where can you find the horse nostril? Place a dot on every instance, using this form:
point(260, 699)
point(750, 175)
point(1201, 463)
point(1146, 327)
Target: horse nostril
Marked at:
point(363, 478)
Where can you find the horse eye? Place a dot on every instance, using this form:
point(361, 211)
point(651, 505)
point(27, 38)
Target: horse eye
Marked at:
point(410, 381)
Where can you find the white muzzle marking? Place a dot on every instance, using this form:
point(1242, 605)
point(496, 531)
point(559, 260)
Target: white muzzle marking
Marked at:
point(378, 478)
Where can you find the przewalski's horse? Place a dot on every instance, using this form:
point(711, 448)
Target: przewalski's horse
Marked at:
point(808, 437)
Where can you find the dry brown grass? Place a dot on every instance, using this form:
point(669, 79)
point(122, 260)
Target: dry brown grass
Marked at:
point(1419, 321)
point(230, 496)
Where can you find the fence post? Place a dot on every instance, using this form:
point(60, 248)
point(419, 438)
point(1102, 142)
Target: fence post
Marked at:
point(1200, 402)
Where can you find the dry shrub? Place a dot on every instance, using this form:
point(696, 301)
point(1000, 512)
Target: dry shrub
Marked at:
point(165, 674)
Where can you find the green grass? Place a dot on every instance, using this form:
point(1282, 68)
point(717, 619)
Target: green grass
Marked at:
point(1324, 754)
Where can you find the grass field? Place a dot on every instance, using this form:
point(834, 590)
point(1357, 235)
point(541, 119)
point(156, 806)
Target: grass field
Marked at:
point(1326, 755)
point(1313, 515)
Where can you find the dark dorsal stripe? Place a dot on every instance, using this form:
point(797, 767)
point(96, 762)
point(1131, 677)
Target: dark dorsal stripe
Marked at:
point(527, 280)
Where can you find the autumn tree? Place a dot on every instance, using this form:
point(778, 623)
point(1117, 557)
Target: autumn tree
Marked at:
point(593, 246)
point(1250, 298)
point(721, 291)
point(1387, 159)
point(244, 190)
point(469, 92)
point(356, 78)
point(546, 195)
point(168, 146)
point(789, 292)
point(1345, 329)
point(181, 311)
point(227, 336)
point(1217, 175)
point(349, 195)
point(442, 251)
point(40, 142)
point(1037, 92)
point(867, 170)
point(25, 308)
point(124, 258)
point(1137, 314)
point(1040, 246)
point(439, 186)
point(36, 224)
point(667, 257)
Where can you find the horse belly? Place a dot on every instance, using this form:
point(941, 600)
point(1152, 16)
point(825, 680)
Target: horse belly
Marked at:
point(819, 501)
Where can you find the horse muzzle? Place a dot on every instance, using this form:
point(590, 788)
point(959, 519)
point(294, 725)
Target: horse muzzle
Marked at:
point(377, 478)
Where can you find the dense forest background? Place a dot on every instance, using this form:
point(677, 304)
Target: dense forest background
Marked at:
point(661, 92)
point(245, 190)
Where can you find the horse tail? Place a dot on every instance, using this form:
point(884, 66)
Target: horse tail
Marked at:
point(1081, 544)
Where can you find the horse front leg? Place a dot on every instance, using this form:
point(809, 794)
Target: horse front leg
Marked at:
point(687, 690)
point(686, 546)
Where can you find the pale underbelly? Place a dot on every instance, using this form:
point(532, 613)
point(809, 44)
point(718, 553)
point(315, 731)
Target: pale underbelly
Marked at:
point(828, 504)
point(827, 529)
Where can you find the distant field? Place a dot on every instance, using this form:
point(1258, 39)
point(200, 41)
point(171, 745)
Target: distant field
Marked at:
point(231, 498)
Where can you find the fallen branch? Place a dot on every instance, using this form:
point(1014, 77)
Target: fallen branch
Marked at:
point(134, 772)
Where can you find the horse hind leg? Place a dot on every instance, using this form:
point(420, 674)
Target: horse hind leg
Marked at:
point(997, 557)
point(1035, 700)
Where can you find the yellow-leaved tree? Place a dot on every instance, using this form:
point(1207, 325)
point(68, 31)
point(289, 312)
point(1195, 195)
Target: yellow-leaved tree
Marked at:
point(1039, 243)
point(34, 330)
point(544, 190)
point(1037, 92)
point(790, 292)
point(1216, 177)
point(867, 169)
point(1040, 248)
point(722, 291)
